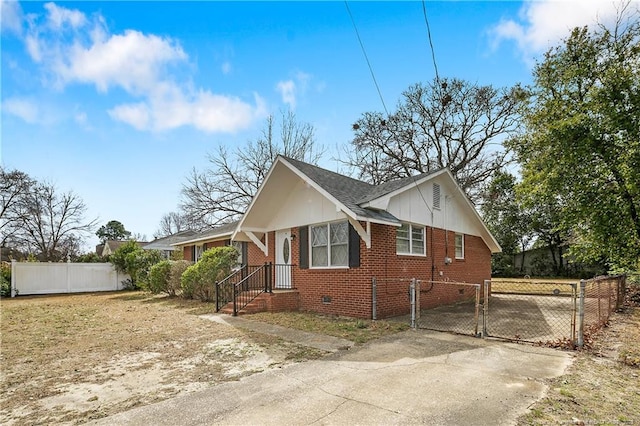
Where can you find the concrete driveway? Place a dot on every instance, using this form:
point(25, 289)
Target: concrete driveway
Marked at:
point(415, 377)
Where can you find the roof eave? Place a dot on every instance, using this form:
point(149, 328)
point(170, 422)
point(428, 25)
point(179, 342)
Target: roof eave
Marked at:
point(216, 237)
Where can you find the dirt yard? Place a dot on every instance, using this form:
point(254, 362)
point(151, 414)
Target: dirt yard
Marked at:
point(70, 359)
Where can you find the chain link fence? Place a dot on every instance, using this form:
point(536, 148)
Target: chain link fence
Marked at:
point(532, 311)
point(449, 306)
point(549, 312)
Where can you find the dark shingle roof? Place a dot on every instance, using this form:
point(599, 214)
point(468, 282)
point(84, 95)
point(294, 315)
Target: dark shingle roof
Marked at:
point(388, 187)
point(165, 243)
point(347, 190)
point(227, 228)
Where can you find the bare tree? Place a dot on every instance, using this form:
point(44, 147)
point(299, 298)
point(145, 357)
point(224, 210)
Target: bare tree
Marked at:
point(51, 223)
point(445, 123)
point(172, 223)
point(223, 192)
point(14, 185)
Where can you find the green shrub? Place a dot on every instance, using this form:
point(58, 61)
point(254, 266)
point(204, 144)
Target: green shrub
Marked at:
point(188, 281)
point(164, 277)
point(178, 267)
point(158, 281)
point(198, 281)
point(133, 260)
point(5, 279)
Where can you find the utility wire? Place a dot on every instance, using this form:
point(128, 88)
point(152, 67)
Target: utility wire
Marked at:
point(433, 53)
point(367, 58)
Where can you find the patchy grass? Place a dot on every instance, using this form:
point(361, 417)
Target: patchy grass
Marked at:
point(535, 286)
point(602, 386)
point(356, 330)
point(69, 359)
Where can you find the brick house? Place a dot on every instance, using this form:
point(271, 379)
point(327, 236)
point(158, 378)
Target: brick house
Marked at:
point(329, 235)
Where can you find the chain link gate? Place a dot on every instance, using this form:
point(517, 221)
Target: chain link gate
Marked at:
point(449, 306)
point(532, 311)
point(523, 310)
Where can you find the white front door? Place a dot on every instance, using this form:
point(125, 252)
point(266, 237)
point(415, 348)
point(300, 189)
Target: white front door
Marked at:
point(283, 259)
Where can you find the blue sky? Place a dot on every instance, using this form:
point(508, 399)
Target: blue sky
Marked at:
point(118, 101)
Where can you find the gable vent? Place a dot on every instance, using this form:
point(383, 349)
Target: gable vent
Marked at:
point(436, 195)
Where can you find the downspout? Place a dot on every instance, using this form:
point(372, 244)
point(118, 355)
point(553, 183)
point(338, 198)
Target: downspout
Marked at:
point(433, 257)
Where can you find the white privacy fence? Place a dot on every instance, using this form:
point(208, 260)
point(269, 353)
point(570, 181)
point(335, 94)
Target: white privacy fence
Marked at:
point(52, 278)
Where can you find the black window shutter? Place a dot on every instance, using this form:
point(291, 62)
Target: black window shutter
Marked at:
point(245, 252)
point(303, 238)
point(354, 248)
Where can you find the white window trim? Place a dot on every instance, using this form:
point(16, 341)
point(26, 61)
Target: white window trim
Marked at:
point(454, 245)
point(424, 241)
point(327, 225)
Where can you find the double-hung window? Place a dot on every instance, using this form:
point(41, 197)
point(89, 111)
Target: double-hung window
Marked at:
point(410, 239)
point(459, 246)
point(330, 245)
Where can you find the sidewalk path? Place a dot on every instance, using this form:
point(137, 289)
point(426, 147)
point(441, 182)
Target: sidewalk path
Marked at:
point(317, 341)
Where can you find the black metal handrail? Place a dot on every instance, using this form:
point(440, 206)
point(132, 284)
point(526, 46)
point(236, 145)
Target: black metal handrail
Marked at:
point(251, 286)
point(247, 283)
point(225, 288)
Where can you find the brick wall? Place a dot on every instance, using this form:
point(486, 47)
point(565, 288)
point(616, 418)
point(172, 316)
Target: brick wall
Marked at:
point(283, 301)
point(187, 253)
point(348, 291)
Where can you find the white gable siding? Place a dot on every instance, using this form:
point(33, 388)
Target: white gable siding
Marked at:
point(415, 206)
point(304, 206)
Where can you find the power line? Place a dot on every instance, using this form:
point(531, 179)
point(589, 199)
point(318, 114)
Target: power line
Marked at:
point(433, 53)
point(367, 58)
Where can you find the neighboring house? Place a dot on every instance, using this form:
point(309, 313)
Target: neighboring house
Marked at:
point(167, 245)
point(329, 235)
point(110, 246)
point(554, 261)
point(194, 246)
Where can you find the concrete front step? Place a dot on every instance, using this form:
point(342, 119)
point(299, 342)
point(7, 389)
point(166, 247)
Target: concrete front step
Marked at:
point(278, 301)
point(256, 305)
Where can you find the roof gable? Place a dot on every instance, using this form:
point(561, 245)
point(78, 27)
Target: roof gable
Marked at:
point(359, 200)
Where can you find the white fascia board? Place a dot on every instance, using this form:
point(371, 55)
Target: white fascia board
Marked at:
point(314, 185)
point(378, 221)
point(216, 237)
point(255, 197)
point(381, 200)
point(490, 239)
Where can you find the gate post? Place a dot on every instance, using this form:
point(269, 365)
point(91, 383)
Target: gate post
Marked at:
point(485, 307)
point(417, 297)
point(412, 297)
point(583, 285)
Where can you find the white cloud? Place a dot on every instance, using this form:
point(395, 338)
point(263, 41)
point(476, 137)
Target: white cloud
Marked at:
point(74, 49)
point(287, 91)
point(10, 16)
point(226, 67)
point(133, 61)
point(170, 108)
point(32, 110)
point(25, 109)
point(290, 90)
point(60, 16)
point(136, 115)
point(543, 23)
